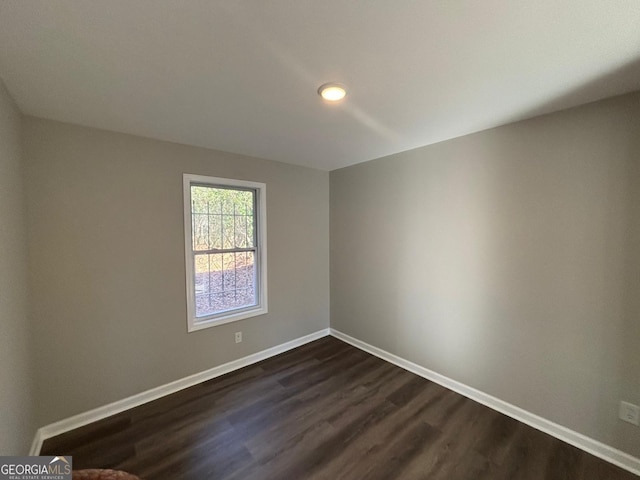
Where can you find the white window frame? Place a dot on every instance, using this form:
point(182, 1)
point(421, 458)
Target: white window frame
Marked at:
point(194, 323)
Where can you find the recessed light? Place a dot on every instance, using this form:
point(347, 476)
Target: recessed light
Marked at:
point(332, 92)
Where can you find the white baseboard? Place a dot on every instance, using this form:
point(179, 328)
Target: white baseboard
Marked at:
point(594, 447)
point(36, 445)
point(105, 411)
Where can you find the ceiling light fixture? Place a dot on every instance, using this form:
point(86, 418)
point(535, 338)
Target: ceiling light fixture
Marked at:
point(332, 92)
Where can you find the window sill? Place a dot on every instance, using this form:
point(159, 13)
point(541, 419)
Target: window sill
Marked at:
point(200, 324)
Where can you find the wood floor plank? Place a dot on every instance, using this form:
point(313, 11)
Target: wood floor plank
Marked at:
point(324, 411)
point(336, 404)
point(498, 436)
point(529, 456)
point(392, 461)
point(564, 462)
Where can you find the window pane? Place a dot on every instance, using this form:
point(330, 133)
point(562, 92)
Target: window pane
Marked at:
point(227, 234)
point(222, 218)
point(224, 281)
point(239, 231)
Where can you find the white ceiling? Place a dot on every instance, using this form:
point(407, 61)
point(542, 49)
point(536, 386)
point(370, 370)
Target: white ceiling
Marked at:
point(241, 75)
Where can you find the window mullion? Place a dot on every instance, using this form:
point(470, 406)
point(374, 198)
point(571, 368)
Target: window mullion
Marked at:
point(224, 250)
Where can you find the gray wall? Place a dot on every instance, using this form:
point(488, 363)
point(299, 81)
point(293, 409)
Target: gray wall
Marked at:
point(107, 263)
point(508, 260)
point(16, 412)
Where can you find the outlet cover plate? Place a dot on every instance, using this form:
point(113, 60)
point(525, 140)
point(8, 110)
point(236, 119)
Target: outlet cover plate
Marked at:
point(629, 413)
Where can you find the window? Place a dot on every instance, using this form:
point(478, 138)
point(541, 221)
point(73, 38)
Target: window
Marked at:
point(225, 250)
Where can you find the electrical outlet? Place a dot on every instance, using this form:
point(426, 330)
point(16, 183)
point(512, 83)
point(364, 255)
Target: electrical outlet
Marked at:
point(630, 413)
point(238, 337)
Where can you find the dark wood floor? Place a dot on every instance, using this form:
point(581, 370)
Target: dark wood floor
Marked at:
point(324, 411)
